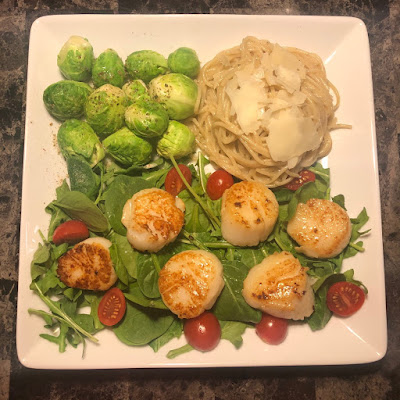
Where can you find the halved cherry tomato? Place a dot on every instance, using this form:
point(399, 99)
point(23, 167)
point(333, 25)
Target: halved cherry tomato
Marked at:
point(70, 232)
point(217, 183)
point(203, 332)
point(272, 330)
point(345, 298)
point(305, 176)
point(174, 183)
point(112, 307)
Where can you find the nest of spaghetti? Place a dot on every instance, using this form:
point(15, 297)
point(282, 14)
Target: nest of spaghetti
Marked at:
point(265, 112)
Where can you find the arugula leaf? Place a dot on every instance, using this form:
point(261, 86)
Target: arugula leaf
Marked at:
point(181, 350)
point(233, 331)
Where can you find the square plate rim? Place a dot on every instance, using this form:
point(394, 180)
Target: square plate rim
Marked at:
point(353, 21)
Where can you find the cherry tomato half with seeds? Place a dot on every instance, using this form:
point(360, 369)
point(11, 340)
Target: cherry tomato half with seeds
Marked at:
point(112, 307)
point(173, 182)
point(217, 183)
point(70, 232)
point(345, 298)
point(272, 330)
point(305, 176)
point(203, 332)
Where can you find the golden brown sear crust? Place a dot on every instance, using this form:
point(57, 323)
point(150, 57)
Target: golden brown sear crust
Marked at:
point(153, 218)
point(249, 211)
point(321, 227)
point(190, 282)
point(280, 286)
point(169, 219)
point(87, 266)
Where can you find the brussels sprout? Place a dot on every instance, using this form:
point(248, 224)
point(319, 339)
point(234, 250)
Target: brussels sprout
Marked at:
point(108, 68)
point(147, 119)
point(184, 61)
point(145, 65)
point(66, 99)
point(178, 141)
point(76, 137)
point(75, 59)
point(135, 90)
point(105, 109)
point(176, 92)
point(127, 148)
point(82, 178)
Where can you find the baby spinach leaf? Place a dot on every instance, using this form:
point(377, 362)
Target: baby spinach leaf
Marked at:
point(136, 296)
point(231, 305)
point(121, 189)
point(119, 266)
point(140, 326)
point(174, 331)
point(78, 206)
point(147, 276)
point(128, 255)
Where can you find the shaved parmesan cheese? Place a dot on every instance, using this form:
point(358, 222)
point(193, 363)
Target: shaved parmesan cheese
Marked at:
point(248, 97)
point(291, 134)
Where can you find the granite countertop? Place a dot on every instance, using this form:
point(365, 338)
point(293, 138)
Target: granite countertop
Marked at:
point(380, 380)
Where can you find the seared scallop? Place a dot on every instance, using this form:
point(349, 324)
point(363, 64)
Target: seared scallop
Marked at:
point(191, 282)
point(321, 228)
point(280, 286)
point(249, 212)
point(88, 265)
point(153, 218)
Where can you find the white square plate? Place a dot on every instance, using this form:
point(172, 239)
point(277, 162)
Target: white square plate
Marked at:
point(342, 43)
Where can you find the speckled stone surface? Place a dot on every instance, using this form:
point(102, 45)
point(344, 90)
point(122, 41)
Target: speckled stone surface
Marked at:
point(376, 381)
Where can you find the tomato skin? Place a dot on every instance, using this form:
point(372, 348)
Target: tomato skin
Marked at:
point(305, 176)
point(345, 298)
point(203, 332)
point(173, 182)
point(112, 307)
point(217, 183)
point(70, 232)
point(272, 330)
